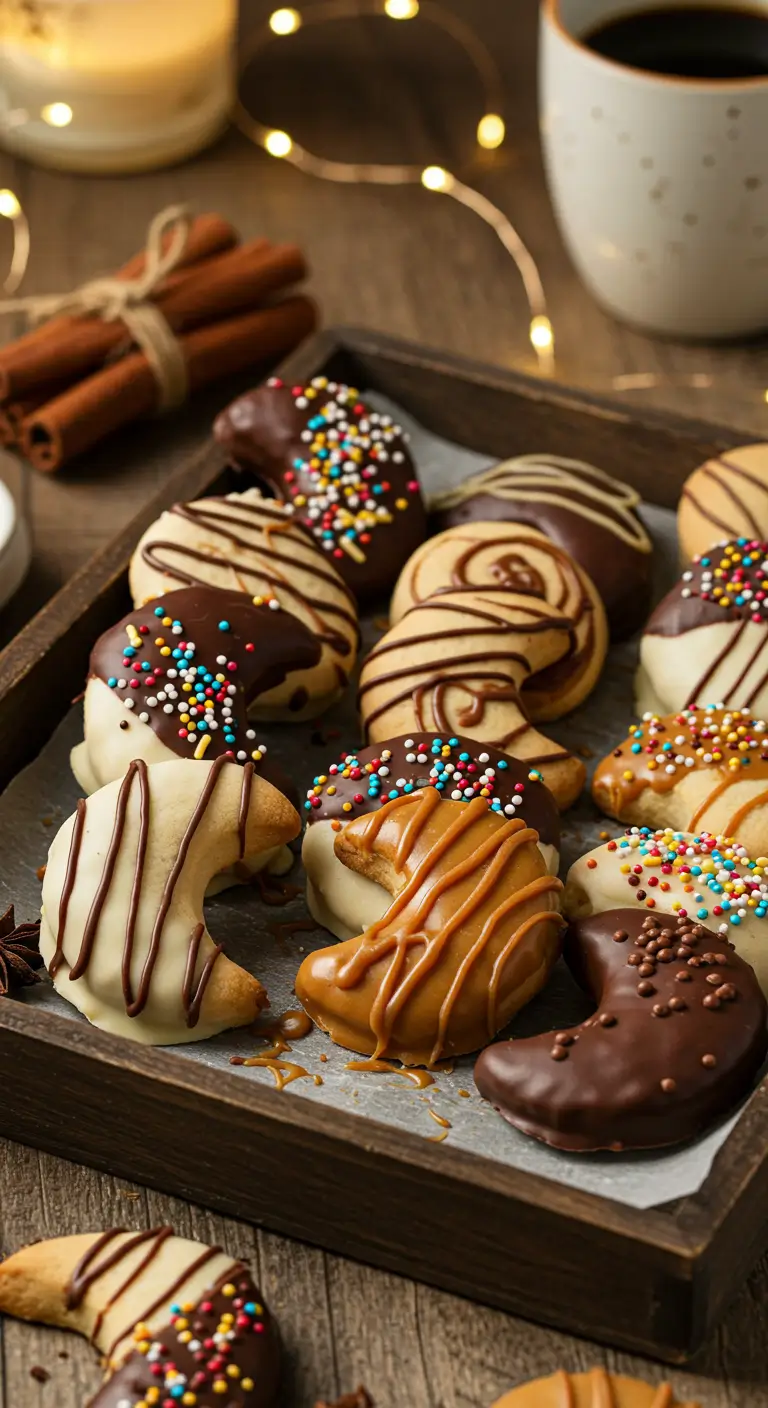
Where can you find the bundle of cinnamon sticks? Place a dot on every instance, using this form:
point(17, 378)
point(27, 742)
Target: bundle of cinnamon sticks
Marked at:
point(69, 383)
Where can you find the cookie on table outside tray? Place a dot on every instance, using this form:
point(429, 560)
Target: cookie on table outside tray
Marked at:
point(249, 544)
point(521, 560)
point(345, 901)
point(456, 664)
point(123, 932)
point(725, 498)
point(707, 641)
point(471, 933)
point(584, 510)
point(709, 879)
point(344, 469)
point(676, 1040)
point(701, 769)
point(153, 1304)
point(596, 1389)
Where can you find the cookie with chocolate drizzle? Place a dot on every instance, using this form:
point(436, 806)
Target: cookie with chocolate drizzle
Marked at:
point(725, 498)
point(167, 1314)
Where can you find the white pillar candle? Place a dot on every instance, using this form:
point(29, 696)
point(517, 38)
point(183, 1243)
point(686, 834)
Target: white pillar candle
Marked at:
point(114, 85)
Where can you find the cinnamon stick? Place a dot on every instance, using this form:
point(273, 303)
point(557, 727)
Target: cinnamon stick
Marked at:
point(46, 354)
point(126, 390)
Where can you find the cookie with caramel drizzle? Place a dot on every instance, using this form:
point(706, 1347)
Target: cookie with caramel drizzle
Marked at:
point(595, 1389)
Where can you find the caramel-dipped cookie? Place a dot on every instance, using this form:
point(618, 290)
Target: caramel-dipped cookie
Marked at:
point(676, 1040)
point(584, 510)
point(470, 936)
point(251, 545)
point(725, 498)
point(596, 1389)
point(123, 931)
point(343, 469)
point(345, 901)
point(522, 560)
point(154, 1305)
point(709, 879)
point(707, 641)
point(699, 770)
point(456, 664)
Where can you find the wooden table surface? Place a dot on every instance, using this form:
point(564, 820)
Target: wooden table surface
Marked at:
point(419, 267)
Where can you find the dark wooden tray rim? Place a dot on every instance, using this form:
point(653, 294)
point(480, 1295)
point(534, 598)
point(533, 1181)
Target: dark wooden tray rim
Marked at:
point(652, 1281)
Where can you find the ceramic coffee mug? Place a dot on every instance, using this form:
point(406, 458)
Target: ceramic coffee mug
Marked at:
point(660, 184)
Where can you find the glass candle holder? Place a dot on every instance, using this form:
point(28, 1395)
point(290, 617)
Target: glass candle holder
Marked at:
point(114, 85)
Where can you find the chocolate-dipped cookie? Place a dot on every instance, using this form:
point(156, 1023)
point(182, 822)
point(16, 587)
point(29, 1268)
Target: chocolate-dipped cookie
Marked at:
point(582, 509)
point(176, 1321)
point(182, 677)
point(459, 769)
point(707, 641)
point(701, 769)
point(344, 470)
point(677, 1038)
point(725, 498)
point(595, 1389)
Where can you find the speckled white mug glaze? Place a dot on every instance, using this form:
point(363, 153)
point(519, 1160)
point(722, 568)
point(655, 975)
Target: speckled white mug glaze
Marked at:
point(660, 184)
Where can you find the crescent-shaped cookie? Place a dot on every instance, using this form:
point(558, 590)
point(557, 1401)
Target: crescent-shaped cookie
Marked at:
point(582, 509)
point(456, 664)
point(705, 878)
point(470, 936)
point(725, 498)
point(170, 1316)
point(123, 932)
point(509, 555)
point(249, 544)
point(596, 1389)
point(676, 1040)
point(344, 470)
point(701, 769)
point(345, 901)
point(707, 641)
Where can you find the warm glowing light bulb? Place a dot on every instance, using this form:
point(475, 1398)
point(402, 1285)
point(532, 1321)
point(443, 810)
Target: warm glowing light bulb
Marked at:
point(491, 130)
point(401, 9)
point(541, 334)
point(57, 114)
point(278, 143)
point(9, 205)
point(435, 178)
point(285, 21)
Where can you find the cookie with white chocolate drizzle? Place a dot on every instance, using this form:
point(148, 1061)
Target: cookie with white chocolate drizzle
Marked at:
point(174, 1319)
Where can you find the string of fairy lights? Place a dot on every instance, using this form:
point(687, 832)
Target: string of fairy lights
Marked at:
point(490, 134)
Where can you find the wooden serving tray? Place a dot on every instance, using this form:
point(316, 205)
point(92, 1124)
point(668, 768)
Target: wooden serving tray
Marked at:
point(654, 1281)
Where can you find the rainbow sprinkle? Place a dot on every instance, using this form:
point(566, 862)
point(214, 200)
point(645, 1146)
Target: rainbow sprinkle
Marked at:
point(723, 882)
point(735, 574)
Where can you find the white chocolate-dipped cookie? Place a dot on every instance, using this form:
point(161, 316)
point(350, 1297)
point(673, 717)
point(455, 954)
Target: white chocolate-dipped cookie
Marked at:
point(699, 770)
point(134, 1295)
point(123, 932)
point(456, 665)
point(250, 544)
point(709, 879)
point(707, 641)
point(725, 498)
point(510, 555)
point(344, 900)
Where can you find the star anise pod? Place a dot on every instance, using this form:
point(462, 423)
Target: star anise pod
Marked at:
point(360, 1399)
point(19, 953)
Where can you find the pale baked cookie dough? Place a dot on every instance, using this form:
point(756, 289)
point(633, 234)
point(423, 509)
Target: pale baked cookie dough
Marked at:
point(596, 1389)
point(250, 544)
point(701, 769)
point(707, 641)
point(346, 901)
point(706, 878)
point(511, 556)
point(725, 498)
point(123, 932)
point(134, 1295)
point(456, 664)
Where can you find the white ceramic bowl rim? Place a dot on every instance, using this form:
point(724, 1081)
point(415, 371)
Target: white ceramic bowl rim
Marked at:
point(552, 15)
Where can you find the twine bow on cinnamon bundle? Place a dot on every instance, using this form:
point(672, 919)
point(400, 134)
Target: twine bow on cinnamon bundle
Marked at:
point(196, 306)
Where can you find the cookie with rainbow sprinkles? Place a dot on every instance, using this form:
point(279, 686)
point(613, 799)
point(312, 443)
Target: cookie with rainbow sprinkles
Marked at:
point(710, 879)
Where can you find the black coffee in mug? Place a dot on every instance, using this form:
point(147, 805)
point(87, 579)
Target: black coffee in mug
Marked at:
point(687, 41)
